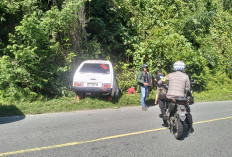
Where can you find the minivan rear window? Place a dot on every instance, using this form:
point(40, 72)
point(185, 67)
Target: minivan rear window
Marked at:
point(95, 68)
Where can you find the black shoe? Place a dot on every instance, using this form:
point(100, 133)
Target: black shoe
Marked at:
point(191, 130)
point(161, 115)
point(165, 118)
point(165, 124)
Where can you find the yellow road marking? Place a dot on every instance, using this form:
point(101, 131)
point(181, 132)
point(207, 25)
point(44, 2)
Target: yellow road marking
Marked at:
point(212, 120)
point(99, 139)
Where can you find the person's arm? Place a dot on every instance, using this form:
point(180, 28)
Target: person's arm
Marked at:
point(140, 78)
point(187, 84)
point(156, 78)
point(166, 78)
point(150, 78)
point(166, 81)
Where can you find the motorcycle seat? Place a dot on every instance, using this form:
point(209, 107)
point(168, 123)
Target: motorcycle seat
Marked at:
point(180, 98)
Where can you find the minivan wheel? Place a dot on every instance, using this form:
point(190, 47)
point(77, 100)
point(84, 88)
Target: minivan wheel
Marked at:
point(110, 98)
point(78, 96)
point(118, 92)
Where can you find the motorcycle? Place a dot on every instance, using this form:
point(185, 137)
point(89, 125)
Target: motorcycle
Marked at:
point(176, 117)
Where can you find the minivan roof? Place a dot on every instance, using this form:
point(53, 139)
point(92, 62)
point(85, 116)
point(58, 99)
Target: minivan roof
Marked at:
point(97, 61)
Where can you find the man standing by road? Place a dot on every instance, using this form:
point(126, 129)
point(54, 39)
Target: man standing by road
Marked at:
point(143, 81)
point(178, 85)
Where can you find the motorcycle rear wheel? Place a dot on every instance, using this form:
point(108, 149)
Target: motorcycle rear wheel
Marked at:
point(178, 131)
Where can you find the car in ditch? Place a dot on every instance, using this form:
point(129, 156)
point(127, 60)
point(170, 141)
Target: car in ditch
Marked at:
point(95, 77)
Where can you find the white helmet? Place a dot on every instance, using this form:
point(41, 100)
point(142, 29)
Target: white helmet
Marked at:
point(179, 66)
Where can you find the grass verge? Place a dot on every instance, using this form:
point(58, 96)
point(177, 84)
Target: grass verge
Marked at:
point(67, 104)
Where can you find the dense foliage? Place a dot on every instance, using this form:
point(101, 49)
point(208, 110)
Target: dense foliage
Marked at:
point(42, 41)
point(197, 32)
point(40, 51)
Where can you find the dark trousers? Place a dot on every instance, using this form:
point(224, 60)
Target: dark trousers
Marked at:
point(162, 99)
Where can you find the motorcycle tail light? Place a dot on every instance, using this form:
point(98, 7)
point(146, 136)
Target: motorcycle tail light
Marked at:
point(181, 102)
point(182, 109)
point(107, 85)
point(78, 84)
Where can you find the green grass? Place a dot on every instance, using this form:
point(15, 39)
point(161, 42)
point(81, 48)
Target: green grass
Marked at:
point(67, 104)
point(217, 94)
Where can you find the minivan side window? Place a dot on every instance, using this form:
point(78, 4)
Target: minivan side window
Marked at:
point(95, 68)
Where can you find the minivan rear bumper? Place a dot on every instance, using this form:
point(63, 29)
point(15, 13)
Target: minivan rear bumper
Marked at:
point(92, 90)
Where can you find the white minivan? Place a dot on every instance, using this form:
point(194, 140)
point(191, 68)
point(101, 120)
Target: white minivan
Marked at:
point(95, 77)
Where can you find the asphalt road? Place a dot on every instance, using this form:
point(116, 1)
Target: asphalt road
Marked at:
point(123, 132)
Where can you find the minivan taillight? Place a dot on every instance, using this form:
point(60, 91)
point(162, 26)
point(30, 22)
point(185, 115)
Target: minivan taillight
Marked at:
point(78, 84)
point(107, 85)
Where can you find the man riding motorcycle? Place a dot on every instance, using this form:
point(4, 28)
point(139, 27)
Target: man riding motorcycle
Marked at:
point(178, 85)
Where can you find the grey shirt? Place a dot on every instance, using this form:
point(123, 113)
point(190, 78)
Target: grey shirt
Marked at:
point(178, 84)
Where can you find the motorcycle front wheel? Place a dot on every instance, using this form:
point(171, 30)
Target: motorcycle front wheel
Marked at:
point(178, 129)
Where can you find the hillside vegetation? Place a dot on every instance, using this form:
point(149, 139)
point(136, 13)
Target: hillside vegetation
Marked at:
point(43, 41)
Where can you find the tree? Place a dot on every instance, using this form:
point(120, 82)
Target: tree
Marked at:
point(40, 53)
